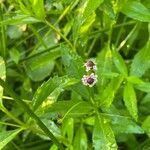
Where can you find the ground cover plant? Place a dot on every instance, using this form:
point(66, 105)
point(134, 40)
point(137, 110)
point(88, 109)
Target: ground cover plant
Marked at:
point(74, 74)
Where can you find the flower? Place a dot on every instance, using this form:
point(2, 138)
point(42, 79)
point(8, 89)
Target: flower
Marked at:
point(90, 64)
point(89, 80)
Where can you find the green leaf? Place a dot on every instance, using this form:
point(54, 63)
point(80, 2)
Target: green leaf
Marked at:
point(41, 66)
point(71, 108)
point(38, 8)
point(2, 76)
point(119, 124)
point(134, 80)
point(7, 136)
point(14, 32)
point(129, 97)
point(15, 55)
point(103, 136)
point(136, 10)
point(91, 6)
point(80, 139)
point(68, 129)
point(122, 124)
point(51, 89)
point(105, 63)
point(119, 63)
point(109, 92)
point(146, 125)
point(141, 61)
point(145, 87)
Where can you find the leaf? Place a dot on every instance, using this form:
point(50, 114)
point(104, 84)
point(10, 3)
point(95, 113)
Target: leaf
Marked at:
point(134, 80)
point(141, 61)
point(146, 125)
point(119, 124)
point(19, 18)
point(109, 92)
point(38, 8)
point(136, 10)
point(129, 97)
point(80, 139)
point(103, 136)
point(91, 6)
point(2, 76)
point(56, 85)
point(119, 63)
point(105, 63)
point(15, 55)
point(68, 129)
point(107, 7)
point(41, 66)
point(7, 136)
point(71, 108)
point(145, 87)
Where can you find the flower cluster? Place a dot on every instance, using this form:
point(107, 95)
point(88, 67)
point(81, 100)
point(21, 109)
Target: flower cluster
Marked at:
point(90, 79)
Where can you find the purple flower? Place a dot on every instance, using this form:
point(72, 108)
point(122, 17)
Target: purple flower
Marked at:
point(90, 65)
point(89, 80)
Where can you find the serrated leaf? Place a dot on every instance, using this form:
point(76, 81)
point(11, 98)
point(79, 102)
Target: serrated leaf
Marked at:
point(129, 97)
point(103, 136)
point(41, 66)
point(109, 92)
point(119, 63)
point(57, 84)
point(7, 136)
point(80, 139)
point(136, 10)
point(141, 61)
point(2, 76)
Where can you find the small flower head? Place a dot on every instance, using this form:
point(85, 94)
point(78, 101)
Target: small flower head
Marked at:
point(90, 64)
point(89, 80)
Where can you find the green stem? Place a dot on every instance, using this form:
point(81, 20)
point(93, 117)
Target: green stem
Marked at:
point(57, 31)
point(30, 113)
point(12, 116)
point(3, 33)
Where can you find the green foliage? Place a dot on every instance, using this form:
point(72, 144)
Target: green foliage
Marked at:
point(7, 136)
point(136, 10)
point(44, 45)
point(103, 136)
point(130, 100)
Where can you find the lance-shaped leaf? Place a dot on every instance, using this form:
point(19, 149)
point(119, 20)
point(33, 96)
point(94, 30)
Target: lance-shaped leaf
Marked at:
point(7, 136)
point(129, 97)
point(136, 10)
point(103, 136)
point(80, 140)
point(141, 61)
point(53, 87)
point(119, 63)
point(109, 92)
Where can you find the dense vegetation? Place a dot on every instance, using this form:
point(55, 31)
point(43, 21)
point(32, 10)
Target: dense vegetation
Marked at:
point(50, 99)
